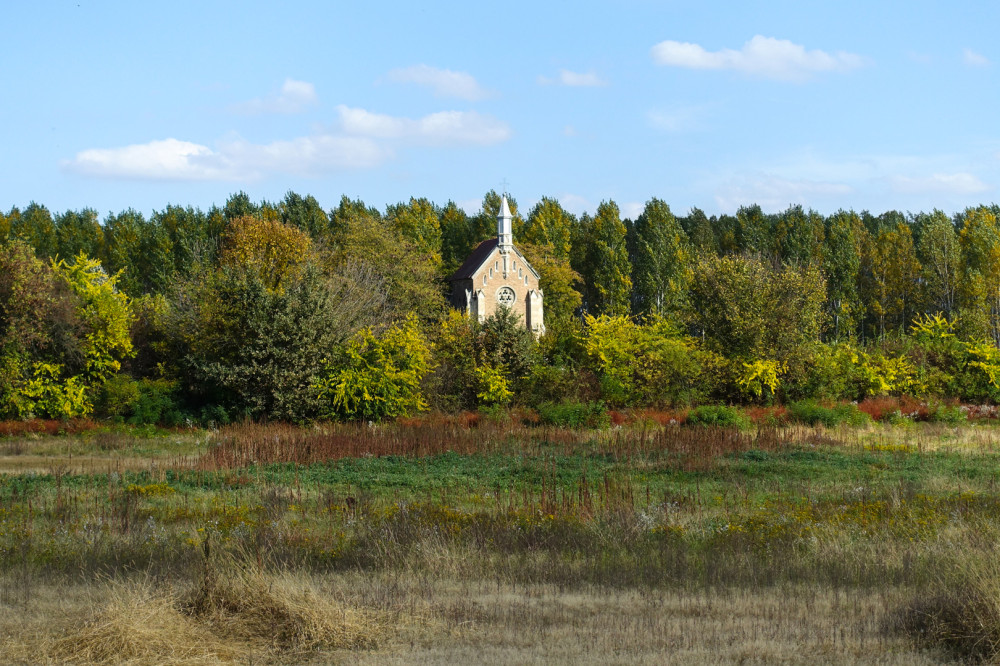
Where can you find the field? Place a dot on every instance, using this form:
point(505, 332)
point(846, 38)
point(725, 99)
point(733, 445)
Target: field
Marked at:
point(454, 540)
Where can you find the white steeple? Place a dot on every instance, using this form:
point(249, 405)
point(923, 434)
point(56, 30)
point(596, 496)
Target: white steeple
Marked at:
point(504, 235)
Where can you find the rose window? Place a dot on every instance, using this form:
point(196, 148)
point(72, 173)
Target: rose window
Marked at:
point(505, 296)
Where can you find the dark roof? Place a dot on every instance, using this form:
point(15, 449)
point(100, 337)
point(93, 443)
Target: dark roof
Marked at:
point(475, 260)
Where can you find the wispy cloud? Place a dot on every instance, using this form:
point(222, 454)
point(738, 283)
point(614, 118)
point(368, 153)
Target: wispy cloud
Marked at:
point(973, 59)
point(945, 183)
point(766, 57)
point(360, 139)
point(444, 82)
point(573, 79)
point(679, 119)
point(175, 160)
point(773, 192)
point(442, 128)
point(294, 97)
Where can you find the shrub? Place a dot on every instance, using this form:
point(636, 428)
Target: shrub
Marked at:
point(574, 414)
point(718, 415)
point(812, 413)
point(117, 397)
point(949, 414)
point(157, 403)
point(376, 377)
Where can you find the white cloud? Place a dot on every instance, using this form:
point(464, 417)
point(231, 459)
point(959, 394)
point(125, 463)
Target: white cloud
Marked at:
point(761, 56)
point(631, 209)
point(295, 96)
point(362, 140)
point(945, 183)
point(974, 59)
point(774, 192)
point(442, 128)
point(569, 130)
point(575, 204)
point(171, 159)
point(168, 159)
point(470, 206)
point(573, 79)
point(444, 82)
point(679, 119)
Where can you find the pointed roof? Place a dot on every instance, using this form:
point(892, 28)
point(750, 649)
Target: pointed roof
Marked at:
point(475, 259)
point(504, 208)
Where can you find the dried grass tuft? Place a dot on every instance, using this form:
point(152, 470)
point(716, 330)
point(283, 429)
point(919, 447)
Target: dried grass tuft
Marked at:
point(963, 617)
point(140, 625)
point(285, 611)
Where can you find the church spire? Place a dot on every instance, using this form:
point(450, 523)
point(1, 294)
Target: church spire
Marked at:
point(504, 235)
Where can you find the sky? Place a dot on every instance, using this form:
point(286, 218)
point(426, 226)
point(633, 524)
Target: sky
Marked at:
point(855, 105)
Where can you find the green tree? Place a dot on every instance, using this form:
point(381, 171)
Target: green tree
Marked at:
point(303, 213)
point(272, 250)
point(798, 236)
point(747, 309)
point(456, 237)
point(940, 256)
point(418, 222)
point(233, 342)
point(191, 236)
point(35, 226)
point(239, 205)
point(78, 232)
point(841, 266)
point(700, 232)
point(123, 249)
point(642, 365)
point(374, 377)
point(408, 276)
point(753, 230)
point(661, 264)
point(549, 225)
point(501, 342)
point(558, 281)
point(980, 292)
point(606, 269)
point(890, 274)
point(351, 214)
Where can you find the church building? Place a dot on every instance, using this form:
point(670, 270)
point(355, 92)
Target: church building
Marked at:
point(496, 274)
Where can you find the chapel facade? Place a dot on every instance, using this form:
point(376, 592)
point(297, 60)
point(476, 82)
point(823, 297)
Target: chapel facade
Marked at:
point(497, 274)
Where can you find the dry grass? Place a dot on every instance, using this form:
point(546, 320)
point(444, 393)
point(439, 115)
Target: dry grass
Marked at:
point(141, 624)
point(284, 611)
point(441, 619)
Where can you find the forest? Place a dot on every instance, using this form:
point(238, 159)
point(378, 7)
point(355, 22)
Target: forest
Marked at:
point(284, 311)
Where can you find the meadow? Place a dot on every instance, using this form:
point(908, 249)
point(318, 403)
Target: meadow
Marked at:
point(499, 540)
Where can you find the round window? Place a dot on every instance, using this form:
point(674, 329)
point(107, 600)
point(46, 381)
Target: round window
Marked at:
point(505, 296)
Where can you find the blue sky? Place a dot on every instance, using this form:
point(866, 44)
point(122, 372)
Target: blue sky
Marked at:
point(878, 106)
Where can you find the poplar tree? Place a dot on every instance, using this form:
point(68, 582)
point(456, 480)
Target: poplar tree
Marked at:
point(419, 223)
point(980, 242)
point(549, 225)
point(607, 276)
point(660, 269)
point(841, 266)
point(940, 257)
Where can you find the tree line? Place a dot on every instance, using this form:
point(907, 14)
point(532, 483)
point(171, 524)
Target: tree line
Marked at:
point(286, 310)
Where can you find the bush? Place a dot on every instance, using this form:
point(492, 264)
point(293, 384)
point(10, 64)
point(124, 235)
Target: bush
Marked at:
point(117, 398)
point(949, 414)
point(812, 413)
point(574, 414)
point(718, 415)
point(157, 403)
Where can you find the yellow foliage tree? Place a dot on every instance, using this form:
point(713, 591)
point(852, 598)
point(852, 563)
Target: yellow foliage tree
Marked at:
point(275, 251)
